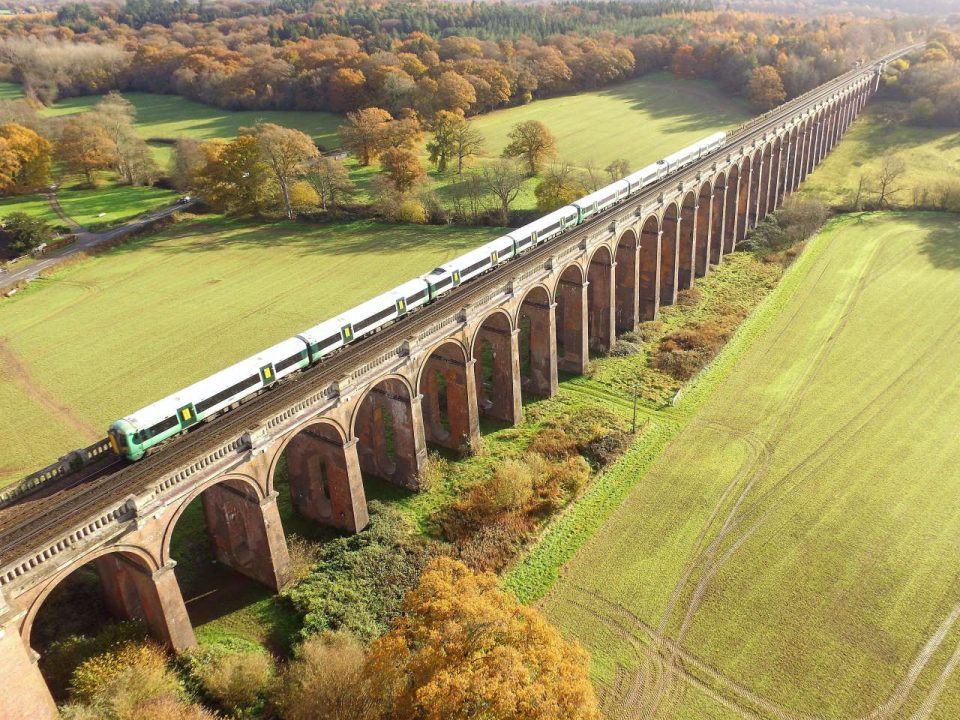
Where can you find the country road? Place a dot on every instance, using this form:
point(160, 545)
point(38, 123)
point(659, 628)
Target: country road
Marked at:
point(85, 241)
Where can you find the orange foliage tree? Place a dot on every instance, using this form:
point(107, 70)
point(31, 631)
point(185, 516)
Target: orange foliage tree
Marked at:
point(31, 156)
point(765, 89)
point(464, 650)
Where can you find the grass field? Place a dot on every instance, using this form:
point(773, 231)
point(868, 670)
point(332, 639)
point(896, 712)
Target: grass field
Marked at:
point(120, 330)
point(115, 202)
point(932, 156)
point(793, 553)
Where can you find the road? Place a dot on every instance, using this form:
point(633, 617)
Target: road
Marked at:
point(85, 241)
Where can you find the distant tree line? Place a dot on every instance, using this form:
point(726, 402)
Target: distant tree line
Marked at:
point(294, 61)
point(929, 81)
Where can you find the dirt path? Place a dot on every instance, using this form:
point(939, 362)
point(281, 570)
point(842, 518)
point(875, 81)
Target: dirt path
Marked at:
point(20, 375)
point(58, 210)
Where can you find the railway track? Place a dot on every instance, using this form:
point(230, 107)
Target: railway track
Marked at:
point(38, 517)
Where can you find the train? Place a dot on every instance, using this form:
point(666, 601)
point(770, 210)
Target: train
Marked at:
point(139, 433)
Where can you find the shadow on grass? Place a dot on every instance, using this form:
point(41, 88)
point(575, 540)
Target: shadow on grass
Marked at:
point(942, 242)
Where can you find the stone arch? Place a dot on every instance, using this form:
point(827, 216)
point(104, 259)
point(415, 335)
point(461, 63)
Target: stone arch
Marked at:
point(702, 230)
point(600, 300)
point(389, 430)
point(497, 368)
point(802, 149)
point(758, 165)
point(687, 233)
point(323, 474)
point(732, 204)
point(648, 262)
point(669, 236)
point(570, 313)
point(136, 556)
point(447, 386)
point(627, 312)
point(243, 527)
point(718, 203)
point(773, 176)
point(537, 342)
point(743, 201)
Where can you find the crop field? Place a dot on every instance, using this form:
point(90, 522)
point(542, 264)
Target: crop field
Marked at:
point(793, 553)
point(119, 330)
point(931, 156)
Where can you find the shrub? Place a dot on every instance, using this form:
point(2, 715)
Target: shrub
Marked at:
point(511, 485)
point(411, 211)
point(169, 708)
point(683, 352)
point(433, 473)
point(325, 681)
point(495, 543)
point(624, 348)
point(598, 435)
point(120, 681)
point(235, 680)
point(304, 555)
point(62, 657)
point(554, 443)
point(650, 330)
point(689, 297)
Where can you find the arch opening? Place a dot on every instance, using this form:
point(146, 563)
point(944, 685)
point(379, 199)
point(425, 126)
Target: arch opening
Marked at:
point(570, 321)
point(537, 344)
point(702, 227)
point(743, 202)
point(648, 277)
point(730, 210)
point(600, 301)
point(718, 204)
point(449, 398)
point(386, 428)
point(668, 255)
point(627, 311)
point(687, 241)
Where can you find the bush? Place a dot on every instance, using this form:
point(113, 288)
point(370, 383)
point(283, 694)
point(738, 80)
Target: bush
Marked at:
point(304, 555)
point(433, 473)
point(689, 297)
point(511, 486)
point(119, 682)
point(554, 443)
point(598, 436)
point(683, 352)
point(358, 582)
point(325, 681)
point(495, 543)
point(235, 680)
point(624, 348)
point(62, 657)
point(21, 233)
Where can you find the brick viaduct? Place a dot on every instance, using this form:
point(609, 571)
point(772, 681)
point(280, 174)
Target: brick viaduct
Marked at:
point(543, 315)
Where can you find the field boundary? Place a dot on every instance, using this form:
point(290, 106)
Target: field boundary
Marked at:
point(537, 571)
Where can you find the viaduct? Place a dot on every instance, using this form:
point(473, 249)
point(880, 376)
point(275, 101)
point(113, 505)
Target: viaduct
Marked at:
point(373, 408)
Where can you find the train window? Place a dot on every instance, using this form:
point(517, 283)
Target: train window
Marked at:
point(443, 283)
point(228, 393)
point(506, 251)
point(292, 360)
point(156, 429)
point(330, 341)
point(373, 319)
point(477, 265)
point(416, 296)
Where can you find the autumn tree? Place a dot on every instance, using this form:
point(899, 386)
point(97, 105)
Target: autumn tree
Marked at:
point(503, 180)
point(287, 152)
point(532, 141)
point(765, 88)
point(331, 181)
point(369, 132)
point(26, 160)
point(21, 233)
point(454, 138)
point(233, 177)
point(85, 146)
point(560, 186)
point(403, 167)
point(185, 160)
point(465, 650)
point(346, 89)
point(133, 160)
point(617, 169)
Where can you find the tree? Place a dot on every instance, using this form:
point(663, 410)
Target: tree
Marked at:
point(186, 159)
point(886, 179)
point(331, 181)
point(561, 185)
point(85, 146)
point(464, 650)
point(287, 153)
point(325, 681)
point(346, 89)
point(22, 233)
point(454, 138)
point(32, 157)
point(233, 178)
point(504, 180)
point(403, 167)
point(370, 131)
point(533, 141)
point(618, 169)
point(765, 88)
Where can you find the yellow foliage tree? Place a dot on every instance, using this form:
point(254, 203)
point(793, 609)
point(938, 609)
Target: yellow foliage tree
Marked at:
point(464, 650)
point(765, 89)
point(33, 157)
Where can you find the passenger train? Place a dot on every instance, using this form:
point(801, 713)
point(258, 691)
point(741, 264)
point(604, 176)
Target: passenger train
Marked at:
point(135, 435)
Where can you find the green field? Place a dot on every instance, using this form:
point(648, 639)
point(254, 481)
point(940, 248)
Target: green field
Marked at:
point(793, 553)
point(122, 329)
point(932, 156)
point(92, 207)
point(641, 120)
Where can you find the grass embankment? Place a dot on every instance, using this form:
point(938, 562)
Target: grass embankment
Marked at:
point(931, 156)
point(122, 329)
point(793, 550)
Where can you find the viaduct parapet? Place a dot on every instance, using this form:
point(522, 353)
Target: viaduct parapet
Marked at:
point(372, 409)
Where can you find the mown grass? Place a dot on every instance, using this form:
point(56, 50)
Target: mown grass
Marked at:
point(112, 204)
point(823, 434)
point(122, 329)
point(931, 156)
point(33, 205)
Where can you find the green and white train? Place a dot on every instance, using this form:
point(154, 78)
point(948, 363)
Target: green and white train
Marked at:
point(140, 432)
